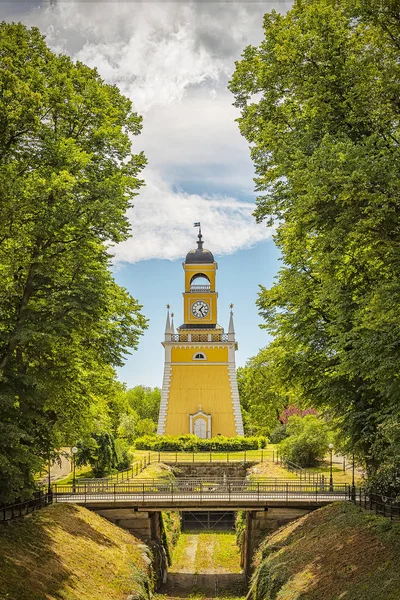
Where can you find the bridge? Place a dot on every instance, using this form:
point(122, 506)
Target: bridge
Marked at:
point(202, 494)
point(136, 504)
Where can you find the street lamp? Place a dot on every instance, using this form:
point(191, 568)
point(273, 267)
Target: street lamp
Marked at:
point(353, 483)
point(49, 475)
point(330, 469)
point(74, 450)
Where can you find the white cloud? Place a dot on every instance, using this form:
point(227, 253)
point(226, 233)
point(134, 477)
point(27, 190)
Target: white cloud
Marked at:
point(150, 50)
point(199, 130)
point(162, 223)
point(156, 65)
point(173, 60)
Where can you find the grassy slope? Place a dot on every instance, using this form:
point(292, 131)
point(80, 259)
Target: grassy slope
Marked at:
point(337, 552)
point(157, 471)
point(66, 552)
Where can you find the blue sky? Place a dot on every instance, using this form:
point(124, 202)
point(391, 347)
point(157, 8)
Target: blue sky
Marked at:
point(174, 61)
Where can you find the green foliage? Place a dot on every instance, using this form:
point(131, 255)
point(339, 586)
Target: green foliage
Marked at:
point(145, 401)
point(189, 443)
point(385, 477)
point(99, 452)
point(170, 531)
point(67, 176)
point(278, 434)
point(123, 455)
point(127, 428)
point(307, 440)
point(137, 412)
point(319, 108)
point(145, 427)
point(240, 527)
point(262, 396)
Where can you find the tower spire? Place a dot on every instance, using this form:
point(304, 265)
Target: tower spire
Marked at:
point(168, 326)
point(231, 328)
point(172, 324)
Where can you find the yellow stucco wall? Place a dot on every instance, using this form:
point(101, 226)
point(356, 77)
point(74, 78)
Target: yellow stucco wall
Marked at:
point(204, 384)
point(213, 354)
point(209, 270)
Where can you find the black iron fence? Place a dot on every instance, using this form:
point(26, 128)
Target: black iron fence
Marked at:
point(380, 504)
point(214, 456)
point(18, 509)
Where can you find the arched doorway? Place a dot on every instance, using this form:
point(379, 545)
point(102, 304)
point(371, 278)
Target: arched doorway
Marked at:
point(200, 428)
point(200, 424)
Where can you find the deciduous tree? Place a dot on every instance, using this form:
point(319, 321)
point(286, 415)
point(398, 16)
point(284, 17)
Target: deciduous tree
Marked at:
point(67, 177)
point(319, 107)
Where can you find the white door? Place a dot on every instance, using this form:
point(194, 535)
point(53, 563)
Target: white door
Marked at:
point(200, 428)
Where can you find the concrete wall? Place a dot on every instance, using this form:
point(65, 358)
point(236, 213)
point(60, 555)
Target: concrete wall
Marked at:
point(209, 469)
point(142, 524)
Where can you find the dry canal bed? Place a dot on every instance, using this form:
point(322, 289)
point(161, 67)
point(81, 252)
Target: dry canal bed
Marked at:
point(205, 565)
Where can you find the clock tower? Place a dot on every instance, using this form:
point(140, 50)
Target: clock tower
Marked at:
point(199, 392)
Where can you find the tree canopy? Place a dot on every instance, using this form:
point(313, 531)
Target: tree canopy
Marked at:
point(67, 177)
point(319, 101)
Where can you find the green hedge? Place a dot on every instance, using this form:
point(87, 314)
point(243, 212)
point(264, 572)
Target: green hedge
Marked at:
point(191, 443)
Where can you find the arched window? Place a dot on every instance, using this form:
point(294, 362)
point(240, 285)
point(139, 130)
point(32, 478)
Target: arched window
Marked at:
point(199, 356)
point(199, 283)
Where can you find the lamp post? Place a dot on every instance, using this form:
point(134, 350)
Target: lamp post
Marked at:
point(330, 469)
point(74, 450)
point(353, 483)
point(49, 475)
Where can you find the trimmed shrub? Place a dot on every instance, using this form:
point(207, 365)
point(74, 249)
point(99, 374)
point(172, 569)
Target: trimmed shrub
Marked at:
point(191, 443)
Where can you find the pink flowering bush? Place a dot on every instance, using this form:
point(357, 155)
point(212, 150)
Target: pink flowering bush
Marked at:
point(294, 411)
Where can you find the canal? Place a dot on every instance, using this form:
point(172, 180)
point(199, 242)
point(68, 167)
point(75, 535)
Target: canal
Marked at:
point(205, 564)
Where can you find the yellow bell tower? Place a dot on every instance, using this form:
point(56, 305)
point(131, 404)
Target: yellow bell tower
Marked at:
point(199, 392)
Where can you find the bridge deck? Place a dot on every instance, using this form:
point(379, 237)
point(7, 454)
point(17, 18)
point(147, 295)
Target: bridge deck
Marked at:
point(202, 494)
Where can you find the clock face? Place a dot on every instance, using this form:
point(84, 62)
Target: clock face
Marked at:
point(200, 309)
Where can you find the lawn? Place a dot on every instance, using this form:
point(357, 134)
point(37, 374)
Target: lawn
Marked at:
point(271, 471)
point(84, 472)
point(237, 456)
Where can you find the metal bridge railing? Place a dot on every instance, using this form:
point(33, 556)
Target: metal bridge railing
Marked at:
point(235, 490)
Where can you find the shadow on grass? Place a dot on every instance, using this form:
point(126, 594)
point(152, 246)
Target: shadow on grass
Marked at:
point(78, 527)
point(30, 569)
point(31, 556)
